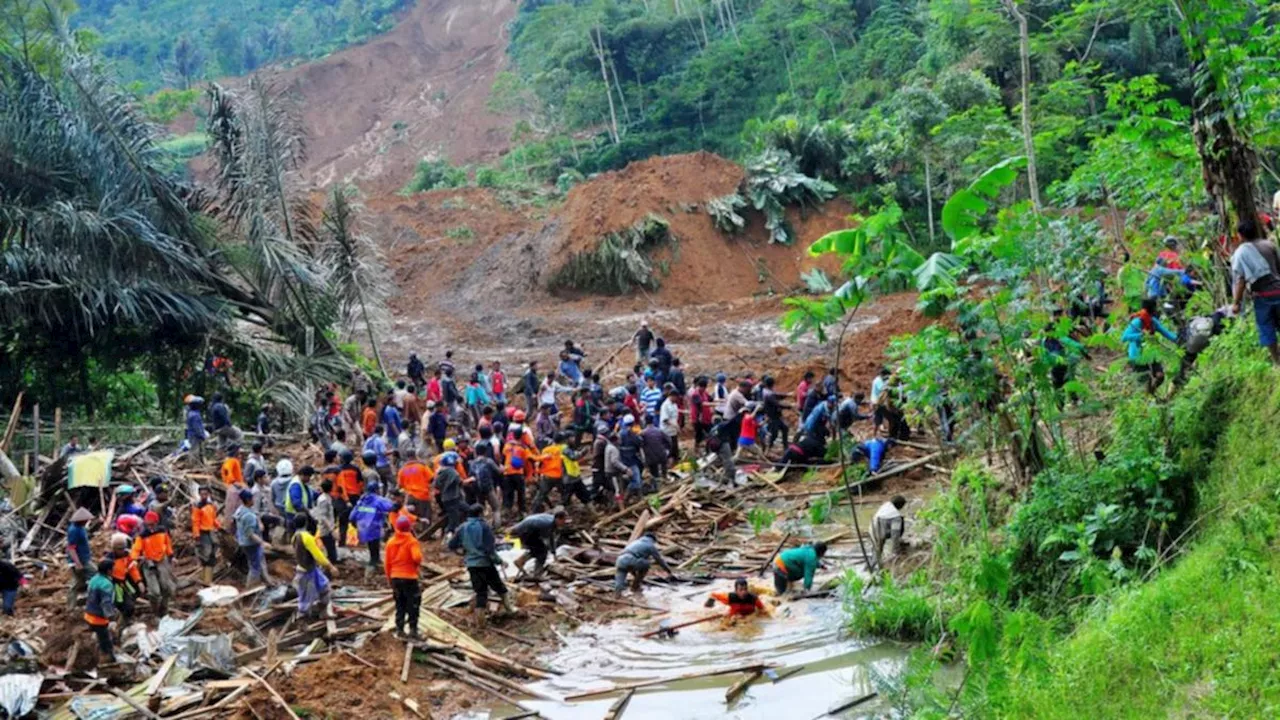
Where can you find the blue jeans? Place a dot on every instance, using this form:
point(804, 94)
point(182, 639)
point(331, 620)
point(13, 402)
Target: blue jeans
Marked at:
point(637, 478)
point(10, 598)
point(1266, 312)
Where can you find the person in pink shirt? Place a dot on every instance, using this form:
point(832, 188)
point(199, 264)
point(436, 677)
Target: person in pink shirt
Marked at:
point(803, 388)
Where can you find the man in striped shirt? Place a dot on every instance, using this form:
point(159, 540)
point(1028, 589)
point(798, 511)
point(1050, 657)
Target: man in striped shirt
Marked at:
point(651, 398)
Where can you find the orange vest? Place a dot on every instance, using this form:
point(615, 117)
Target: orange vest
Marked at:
point(551, 462)
point(204, 519)
point(154, 546)
point(459, 466)
point(404, 556)
point(510, 454)
point(232, 471)
point(415, 480)
point(350, 481)
point(395, 515)
point(125, 568)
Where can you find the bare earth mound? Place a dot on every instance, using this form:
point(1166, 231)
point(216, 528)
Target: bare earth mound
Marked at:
point(372, 111)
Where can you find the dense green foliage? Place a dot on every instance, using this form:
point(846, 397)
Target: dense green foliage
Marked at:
point(119, 277)
point(903, 100)
point(178, 43)
point(1108, 548)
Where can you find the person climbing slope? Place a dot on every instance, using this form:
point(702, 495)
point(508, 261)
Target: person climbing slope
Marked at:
point(1145, 322)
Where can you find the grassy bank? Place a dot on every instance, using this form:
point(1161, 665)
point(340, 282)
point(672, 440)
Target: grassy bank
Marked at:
point(1202, 637)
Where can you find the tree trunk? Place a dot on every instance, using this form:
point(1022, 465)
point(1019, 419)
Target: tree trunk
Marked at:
point(597, 43)
point(928, 193)
point(1228, 161)
point(626, 112)
point(1028, 140)
point(702, 20)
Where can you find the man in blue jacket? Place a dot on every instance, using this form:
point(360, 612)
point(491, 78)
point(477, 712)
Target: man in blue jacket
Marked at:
point(479, 548)
point(370, 517)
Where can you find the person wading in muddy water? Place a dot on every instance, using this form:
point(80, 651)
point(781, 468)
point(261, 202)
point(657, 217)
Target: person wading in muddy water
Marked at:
point(742, 602)
point(797, 564)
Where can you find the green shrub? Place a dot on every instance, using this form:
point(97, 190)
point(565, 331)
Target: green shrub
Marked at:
point(897, 611)
point(461, 232)
point(761, 519)
point(435, 175)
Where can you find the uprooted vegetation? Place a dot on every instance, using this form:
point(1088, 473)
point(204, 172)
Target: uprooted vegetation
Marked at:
point(773, 183)
point(618, 264)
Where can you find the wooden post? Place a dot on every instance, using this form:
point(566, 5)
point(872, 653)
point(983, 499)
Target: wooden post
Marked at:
point(35, 437)
point(57, 432)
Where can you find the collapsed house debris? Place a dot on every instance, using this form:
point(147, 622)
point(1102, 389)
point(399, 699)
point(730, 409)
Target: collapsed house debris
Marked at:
point(226, 652)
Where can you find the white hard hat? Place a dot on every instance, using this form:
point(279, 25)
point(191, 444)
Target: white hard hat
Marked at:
point(284, 468)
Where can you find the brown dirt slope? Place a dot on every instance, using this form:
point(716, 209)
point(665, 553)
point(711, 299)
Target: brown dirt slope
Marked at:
point(373, 110)
point(705, 264)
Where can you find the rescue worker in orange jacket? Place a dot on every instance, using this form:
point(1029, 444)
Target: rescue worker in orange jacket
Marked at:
point(346, 491)
point(415, 480)
point(518, 457)
point(154, 549)
point(232, 473)
point(126, 576)
point(403, 559)
point(402, 509)
point(742, 602)
point(550, 476)
point(204, 525)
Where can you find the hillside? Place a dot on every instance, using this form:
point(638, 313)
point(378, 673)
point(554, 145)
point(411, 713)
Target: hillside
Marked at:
point(180, 43)
point(372, 111)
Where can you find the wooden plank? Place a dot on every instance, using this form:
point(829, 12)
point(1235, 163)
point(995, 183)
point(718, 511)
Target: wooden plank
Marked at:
point(619, 706)
point(741, 686)
point(129, 456)
point(35, 436)
point(638, 530)
point(664, 681)
point(133, 703)
point(12, 425)
point(157, 681)
point(404, 667)
point(773, 554)
point(57, 432)
point(35, 527)
point(273, 692)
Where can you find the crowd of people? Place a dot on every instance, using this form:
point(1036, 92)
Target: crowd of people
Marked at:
point(467, 460)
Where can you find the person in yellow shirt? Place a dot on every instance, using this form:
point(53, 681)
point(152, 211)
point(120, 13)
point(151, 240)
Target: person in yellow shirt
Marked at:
point(403, 560)
point(204, 525)
point(153, 549)
point(308, 578)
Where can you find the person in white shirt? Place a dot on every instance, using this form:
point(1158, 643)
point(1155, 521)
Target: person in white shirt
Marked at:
point(547, 393)
point(888, 524)
point(878, 388)
point(669, 421)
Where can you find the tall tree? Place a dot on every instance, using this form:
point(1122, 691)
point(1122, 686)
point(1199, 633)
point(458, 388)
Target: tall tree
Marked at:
point(1019, 16)
point(188, 60)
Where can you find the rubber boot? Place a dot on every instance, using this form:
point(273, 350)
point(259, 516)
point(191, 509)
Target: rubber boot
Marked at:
point(206, 575)
point(509, 604)
point(479, 616)
point(538, 568)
